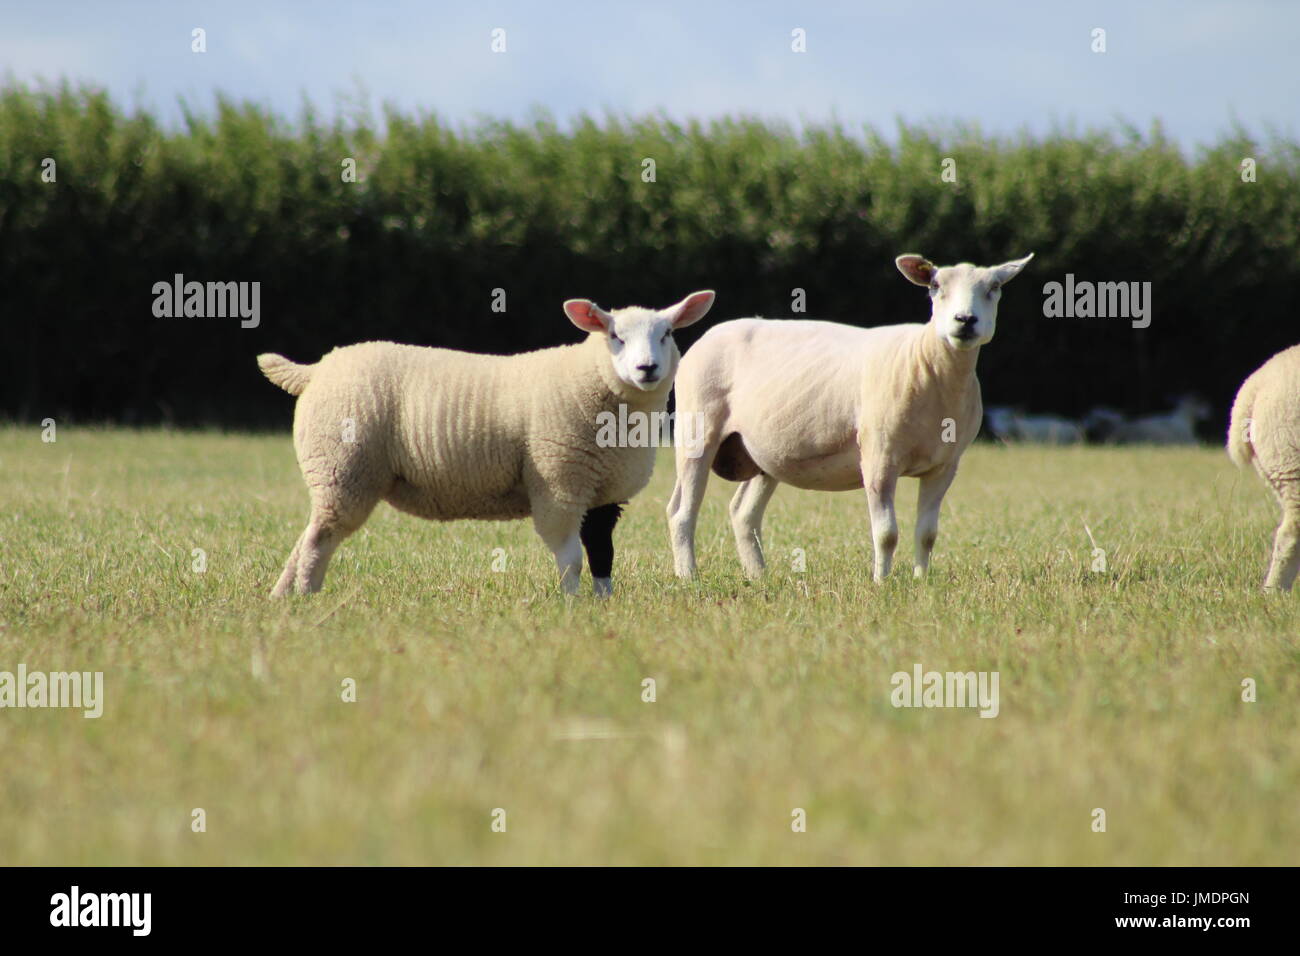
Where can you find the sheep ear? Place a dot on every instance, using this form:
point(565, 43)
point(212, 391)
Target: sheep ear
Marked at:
point(691, 309)
point(918, 269)
point(587, 315)
point(1009, 270)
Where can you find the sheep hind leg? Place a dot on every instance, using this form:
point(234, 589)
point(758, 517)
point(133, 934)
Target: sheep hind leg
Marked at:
point(331, 521)
point(290, 573)
point(1286, 549)
point(747, 507)
point(597, 535)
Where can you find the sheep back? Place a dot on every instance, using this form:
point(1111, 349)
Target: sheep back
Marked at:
point(444, 434)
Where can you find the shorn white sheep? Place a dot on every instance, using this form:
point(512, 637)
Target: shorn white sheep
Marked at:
point(1172, 428)
point(443, 434)
point(1265, 431)
point(833, 407)
point(1010, 424)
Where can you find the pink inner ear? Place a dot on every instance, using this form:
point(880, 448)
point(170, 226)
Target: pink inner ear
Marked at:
point(919, 271)
point(584, 316)
point(692, 309)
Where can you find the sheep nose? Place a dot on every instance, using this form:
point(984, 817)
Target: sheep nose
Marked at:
point(648, 369)
point(965, 318)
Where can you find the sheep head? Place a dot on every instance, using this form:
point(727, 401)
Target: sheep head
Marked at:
point(640, 340)
point(963, 298)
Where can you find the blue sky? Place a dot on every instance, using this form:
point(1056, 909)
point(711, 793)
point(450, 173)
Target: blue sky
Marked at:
point(1196, 66)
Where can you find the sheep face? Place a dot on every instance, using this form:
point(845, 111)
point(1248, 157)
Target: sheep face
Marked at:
point(963, 298)
point(640, 341)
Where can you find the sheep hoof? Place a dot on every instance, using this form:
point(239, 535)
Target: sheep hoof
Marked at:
point(602, 587)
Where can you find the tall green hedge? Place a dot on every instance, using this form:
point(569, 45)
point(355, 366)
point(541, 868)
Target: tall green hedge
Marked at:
point(441, 216)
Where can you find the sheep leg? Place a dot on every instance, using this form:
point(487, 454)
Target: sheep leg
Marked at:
point(747, 507)
point(880, 485)
point(285, 584)
point(684, 506)
point(1286, 550)
point(597, 534)
point(560, 531)
point(929, 498)
point(325, 532)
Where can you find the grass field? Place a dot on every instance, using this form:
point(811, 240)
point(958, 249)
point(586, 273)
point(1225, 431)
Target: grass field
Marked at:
point(479, 689)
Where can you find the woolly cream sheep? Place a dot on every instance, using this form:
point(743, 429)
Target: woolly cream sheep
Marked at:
point(443, 434)
point(1265, 429)
point(833, 407)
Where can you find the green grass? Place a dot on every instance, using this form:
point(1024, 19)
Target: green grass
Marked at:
point(478, 690)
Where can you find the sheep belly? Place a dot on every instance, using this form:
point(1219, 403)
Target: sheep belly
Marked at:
point(813, 450)
point(839, 470)
point(791, 390)
point(448, 471)
point(446, 501)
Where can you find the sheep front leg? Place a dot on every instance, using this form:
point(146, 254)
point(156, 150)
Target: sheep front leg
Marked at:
point(929, 498)
point(1286, 550)
point(560, 531)
point(597, 536)
point(880, 484)
point(684, 506)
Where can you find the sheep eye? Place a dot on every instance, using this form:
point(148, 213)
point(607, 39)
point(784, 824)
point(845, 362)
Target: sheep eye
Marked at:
point(615, 338)
point(666, 334)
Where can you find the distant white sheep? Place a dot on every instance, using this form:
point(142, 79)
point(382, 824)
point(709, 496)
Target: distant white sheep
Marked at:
point(1101, 423)
point(1001, 422)
point(834, 407)
point(1010, 425)
point(1173, 428)
point(1265, 431)
point(443, 434)
point(1048, 430)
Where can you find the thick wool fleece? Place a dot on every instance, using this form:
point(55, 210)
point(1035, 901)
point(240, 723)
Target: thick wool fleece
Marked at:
point(444, 434)
point(1265, 431)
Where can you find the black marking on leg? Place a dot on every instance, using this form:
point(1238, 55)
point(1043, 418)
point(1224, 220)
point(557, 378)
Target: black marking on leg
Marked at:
point(597, 534)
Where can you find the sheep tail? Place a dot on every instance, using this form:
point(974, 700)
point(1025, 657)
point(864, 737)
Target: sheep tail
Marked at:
point(290, 376)
point(1239, 447)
